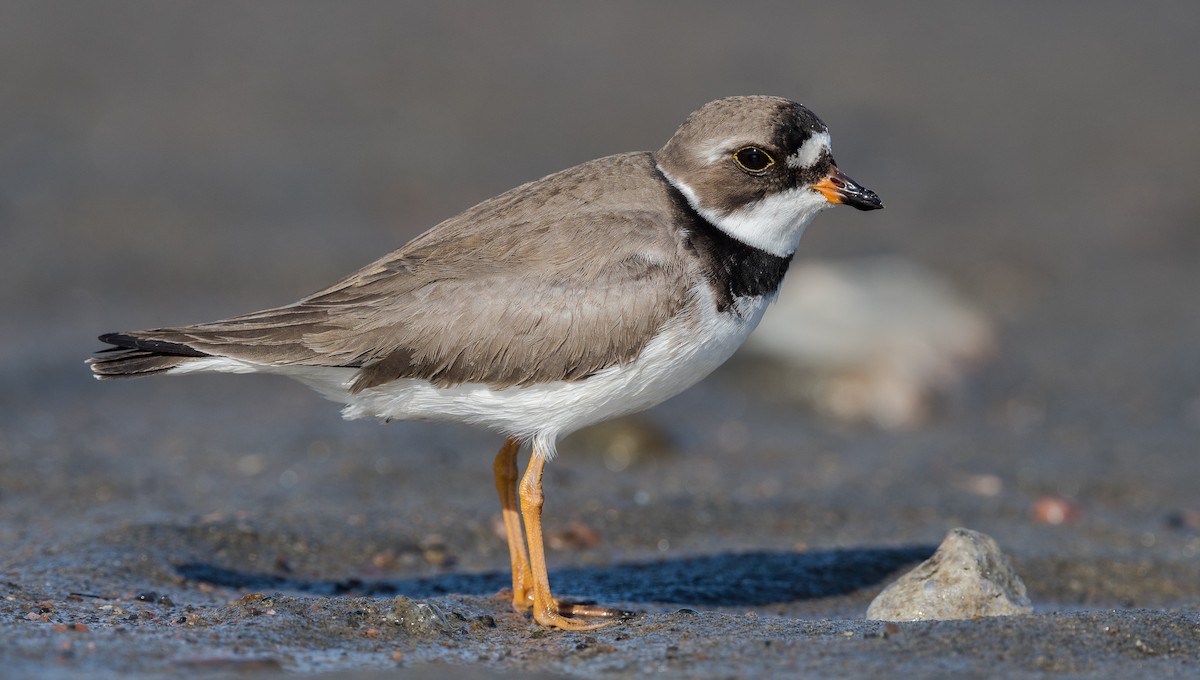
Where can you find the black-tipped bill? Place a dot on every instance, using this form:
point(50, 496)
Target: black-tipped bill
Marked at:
point(838, 188)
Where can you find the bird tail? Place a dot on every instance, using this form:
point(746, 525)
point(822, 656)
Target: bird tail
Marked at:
point(132, 357)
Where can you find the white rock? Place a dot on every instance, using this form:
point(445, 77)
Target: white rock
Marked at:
point(881, 337)
point(968, 577)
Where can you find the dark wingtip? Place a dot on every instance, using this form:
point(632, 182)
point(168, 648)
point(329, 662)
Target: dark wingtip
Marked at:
point(127, 341)
point(121, 340)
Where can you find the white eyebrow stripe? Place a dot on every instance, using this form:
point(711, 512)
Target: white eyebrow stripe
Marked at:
point(718, 150)
point(810, 151)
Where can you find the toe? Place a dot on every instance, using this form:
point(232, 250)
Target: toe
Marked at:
point(566, 623)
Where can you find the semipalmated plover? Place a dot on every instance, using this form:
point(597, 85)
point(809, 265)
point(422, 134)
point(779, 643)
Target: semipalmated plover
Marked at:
point(594, 292)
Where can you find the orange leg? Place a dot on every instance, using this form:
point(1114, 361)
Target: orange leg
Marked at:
point(505, 468)
point(546, 610)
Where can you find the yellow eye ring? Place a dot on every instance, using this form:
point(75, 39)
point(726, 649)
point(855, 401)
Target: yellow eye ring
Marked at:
point(753, 160)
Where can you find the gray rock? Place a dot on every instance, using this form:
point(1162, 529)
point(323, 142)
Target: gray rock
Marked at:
point(968, 577)
point(418, 618)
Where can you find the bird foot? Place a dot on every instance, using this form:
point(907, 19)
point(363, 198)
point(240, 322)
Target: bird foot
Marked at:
point(568, 614)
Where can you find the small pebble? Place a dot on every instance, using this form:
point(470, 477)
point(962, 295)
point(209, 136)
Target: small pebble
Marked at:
point(154, 598)
point(1055, 510)
point(418, 618)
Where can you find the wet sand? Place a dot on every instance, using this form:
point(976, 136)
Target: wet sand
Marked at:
point(164, 165)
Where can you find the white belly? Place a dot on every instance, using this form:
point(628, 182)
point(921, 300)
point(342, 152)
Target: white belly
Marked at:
point(690, 347)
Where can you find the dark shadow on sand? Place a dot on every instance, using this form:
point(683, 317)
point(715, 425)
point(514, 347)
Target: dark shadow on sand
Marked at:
point(735, 579)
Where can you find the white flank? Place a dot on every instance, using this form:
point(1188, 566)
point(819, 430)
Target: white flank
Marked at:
point(774, 224)
point(810, 151)
point(217, 365)
point(689, 347)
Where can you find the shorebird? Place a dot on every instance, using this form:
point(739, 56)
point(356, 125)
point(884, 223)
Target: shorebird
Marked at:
point(594, 292)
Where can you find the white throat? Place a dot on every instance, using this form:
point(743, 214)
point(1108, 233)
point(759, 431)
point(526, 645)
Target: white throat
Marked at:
point(773, 224)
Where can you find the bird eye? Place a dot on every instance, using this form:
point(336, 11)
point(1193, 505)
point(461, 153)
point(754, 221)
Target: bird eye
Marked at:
point(753, 160)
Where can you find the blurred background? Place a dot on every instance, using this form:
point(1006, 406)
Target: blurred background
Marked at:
point(169, 163)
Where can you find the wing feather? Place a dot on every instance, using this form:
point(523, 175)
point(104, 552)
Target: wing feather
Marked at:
point(549, 281)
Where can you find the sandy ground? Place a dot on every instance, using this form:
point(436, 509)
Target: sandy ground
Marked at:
point(163, 164)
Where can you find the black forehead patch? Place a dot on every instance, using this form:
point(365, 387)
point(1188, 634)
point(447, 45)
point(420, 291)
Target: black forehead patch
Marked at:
point(794, 124)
